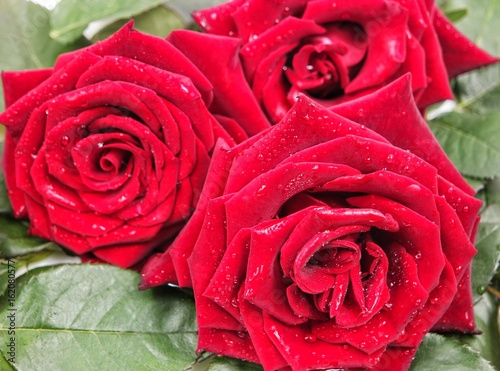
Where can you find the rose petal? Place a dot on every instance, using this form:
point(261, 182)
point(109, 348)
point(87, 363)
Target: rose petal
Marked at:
point(391, 112)
point(459, 54)
point(385, 326)
point(18, 83)
point(220, 24)
point(306, 124)
point(132, 44)
point(205, 259)
point(389, 46)
point(292, 340)
point(418, 235)
point(287, 32)
point(182, 247)
point(285, 181)
point(267, 353)
point(231, 343)
point(242, 107)
point(18, 114)
point(226, 281)
point(264, 286)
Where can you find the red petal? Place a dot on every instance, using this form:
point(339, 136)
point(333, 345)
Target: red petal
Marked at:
point(18, 83)
point(228, 343)
point(268, 354)
point(132, 44)
point(224, 285)
point(226, 74)
point(392, 113)
point(302, 350)
point(460, 54)
point(206, 257)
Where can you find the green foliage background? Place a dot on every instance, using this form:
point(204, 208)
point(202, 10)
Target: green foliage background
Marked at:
point(84, 317)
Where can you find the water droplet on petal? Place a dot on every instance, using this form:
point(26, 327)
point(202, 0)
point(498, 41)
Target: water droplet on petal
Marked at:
point(310, 338)
point(64, 140)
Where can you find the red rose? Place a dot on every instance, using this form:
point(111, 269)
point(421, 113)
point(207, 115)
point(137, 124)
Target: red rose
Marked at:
point(334, 50)
point(107, 152)
point(320, 244)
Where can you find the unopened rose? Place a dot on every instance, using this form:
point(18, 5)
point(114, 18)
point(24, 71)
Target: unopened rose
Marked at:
point(107, 152)
point(320, 244)
point(334, 50)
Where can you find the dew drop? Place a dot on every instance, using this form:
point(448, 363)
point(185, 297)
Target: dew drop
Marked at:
point(64, 140)
point(409, 352)
point(310, 338)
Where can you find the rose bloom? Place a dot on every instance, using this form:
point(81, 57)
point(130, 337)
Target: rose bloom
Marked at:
point(320, 244)
point(108, 151)
point(334, 50)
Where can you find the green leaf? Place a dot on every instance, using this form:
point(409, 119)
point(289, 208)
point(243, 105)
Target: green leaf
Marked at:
point(25, 44)
point(471, 141)
point(4, 365)
point(488, 342)
point(185, 8)
point(231, 364)
point(456, 14)
point(480, 90)
point(439, 353)
point(486, 260)
point(481, 22)
point(491, 215)
point(4, 198)
point(92, 317)
point(477, 184)
point(25, 41)
point(7, 271)
point(21, 278)
point(15, 240)
point(158, 21)
point(70, 17)
point(492, 193)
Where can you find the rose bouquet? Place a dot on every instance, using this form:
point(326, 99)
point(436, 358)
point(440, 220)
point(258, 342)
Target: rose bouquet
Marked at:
point(286, 185)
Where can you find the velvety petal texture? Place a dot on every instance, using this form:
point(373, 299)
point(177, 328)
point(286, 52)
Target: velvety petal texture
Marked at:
point(337, 50)
point(108, 151)
point(320, 244)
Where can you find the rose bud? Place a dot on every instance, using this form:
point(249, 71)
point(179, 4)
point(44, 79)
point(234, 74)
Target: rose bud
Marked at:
point(107, 152)
point(321, 244)
point(333, 50)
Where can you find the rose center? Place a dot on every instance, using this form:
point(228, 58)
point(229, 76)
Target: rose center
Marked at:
point(114, 160)
point(334, 258)
point(323, 65)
